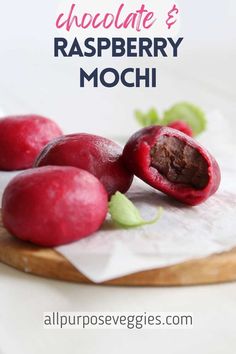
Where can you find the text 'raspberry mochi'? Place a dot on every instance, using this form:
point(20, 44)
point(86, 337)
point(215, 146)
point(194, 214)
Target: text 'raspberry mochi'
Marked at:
point(173, 163)
point(54, 205)
point(22, 138)
point(100, 156)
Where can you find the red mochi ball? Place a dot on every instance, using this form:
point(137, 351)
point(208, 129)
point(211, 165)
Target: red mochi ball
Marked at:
point(182, 127)
point(54, 205)
point(98, 155)
point(174, 163)
point(22, 138)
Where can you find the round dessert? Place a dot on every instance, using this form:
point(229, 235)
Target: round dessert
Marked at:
point(22, 138)
point(182, 127)
point(173, 163)
point(98, 155)
point(53, 205)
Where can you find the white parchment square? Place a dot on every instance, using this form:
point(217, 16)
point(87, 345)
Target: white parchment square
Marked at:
point(183, 233)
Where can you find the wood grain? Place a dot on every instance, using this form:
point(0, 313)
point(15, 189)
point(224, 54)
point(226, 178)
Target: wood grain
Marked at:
point(46, 262)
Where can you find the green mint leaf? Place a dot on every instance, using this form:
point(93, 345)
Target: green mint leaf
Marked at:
point(188, 113)
point(124, 212)
point(147, 119)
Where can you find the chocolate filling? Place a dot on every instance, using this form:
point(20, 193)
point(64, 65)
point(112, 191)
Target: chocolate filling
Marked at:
point(179, 162)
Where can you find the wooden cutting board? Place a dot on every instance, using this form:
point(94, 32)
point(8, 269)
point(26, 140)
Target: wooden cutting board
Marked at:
point(46, 262)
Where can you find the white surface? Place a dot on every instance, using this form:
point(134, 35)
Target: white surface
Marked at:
point(24, 298)
point(31, 80)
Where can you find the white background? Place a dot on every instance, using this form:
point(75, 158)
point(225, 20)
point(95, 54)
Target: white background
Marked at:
point(31, 80)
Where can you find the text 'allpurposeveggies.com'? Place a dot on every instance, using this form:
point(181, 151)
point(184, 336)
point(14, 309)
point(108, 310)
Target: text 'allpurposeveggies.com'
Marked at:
point(117, 320)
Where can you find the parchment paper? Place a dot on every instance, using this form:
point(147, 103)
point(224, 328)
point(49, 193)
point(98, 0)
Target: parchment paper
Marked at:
point(183, 233)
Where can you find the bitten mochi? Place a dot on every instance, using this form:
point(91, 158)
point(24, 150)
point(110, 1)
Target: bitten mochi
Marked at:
point(22, 138)
point(53, 205)
point(100, 156)
point(173, 163)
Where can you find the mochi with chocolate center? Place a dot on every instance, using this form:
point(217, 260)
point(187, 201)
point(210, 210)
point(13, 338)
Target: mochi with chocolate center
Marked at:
point(173, 163)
